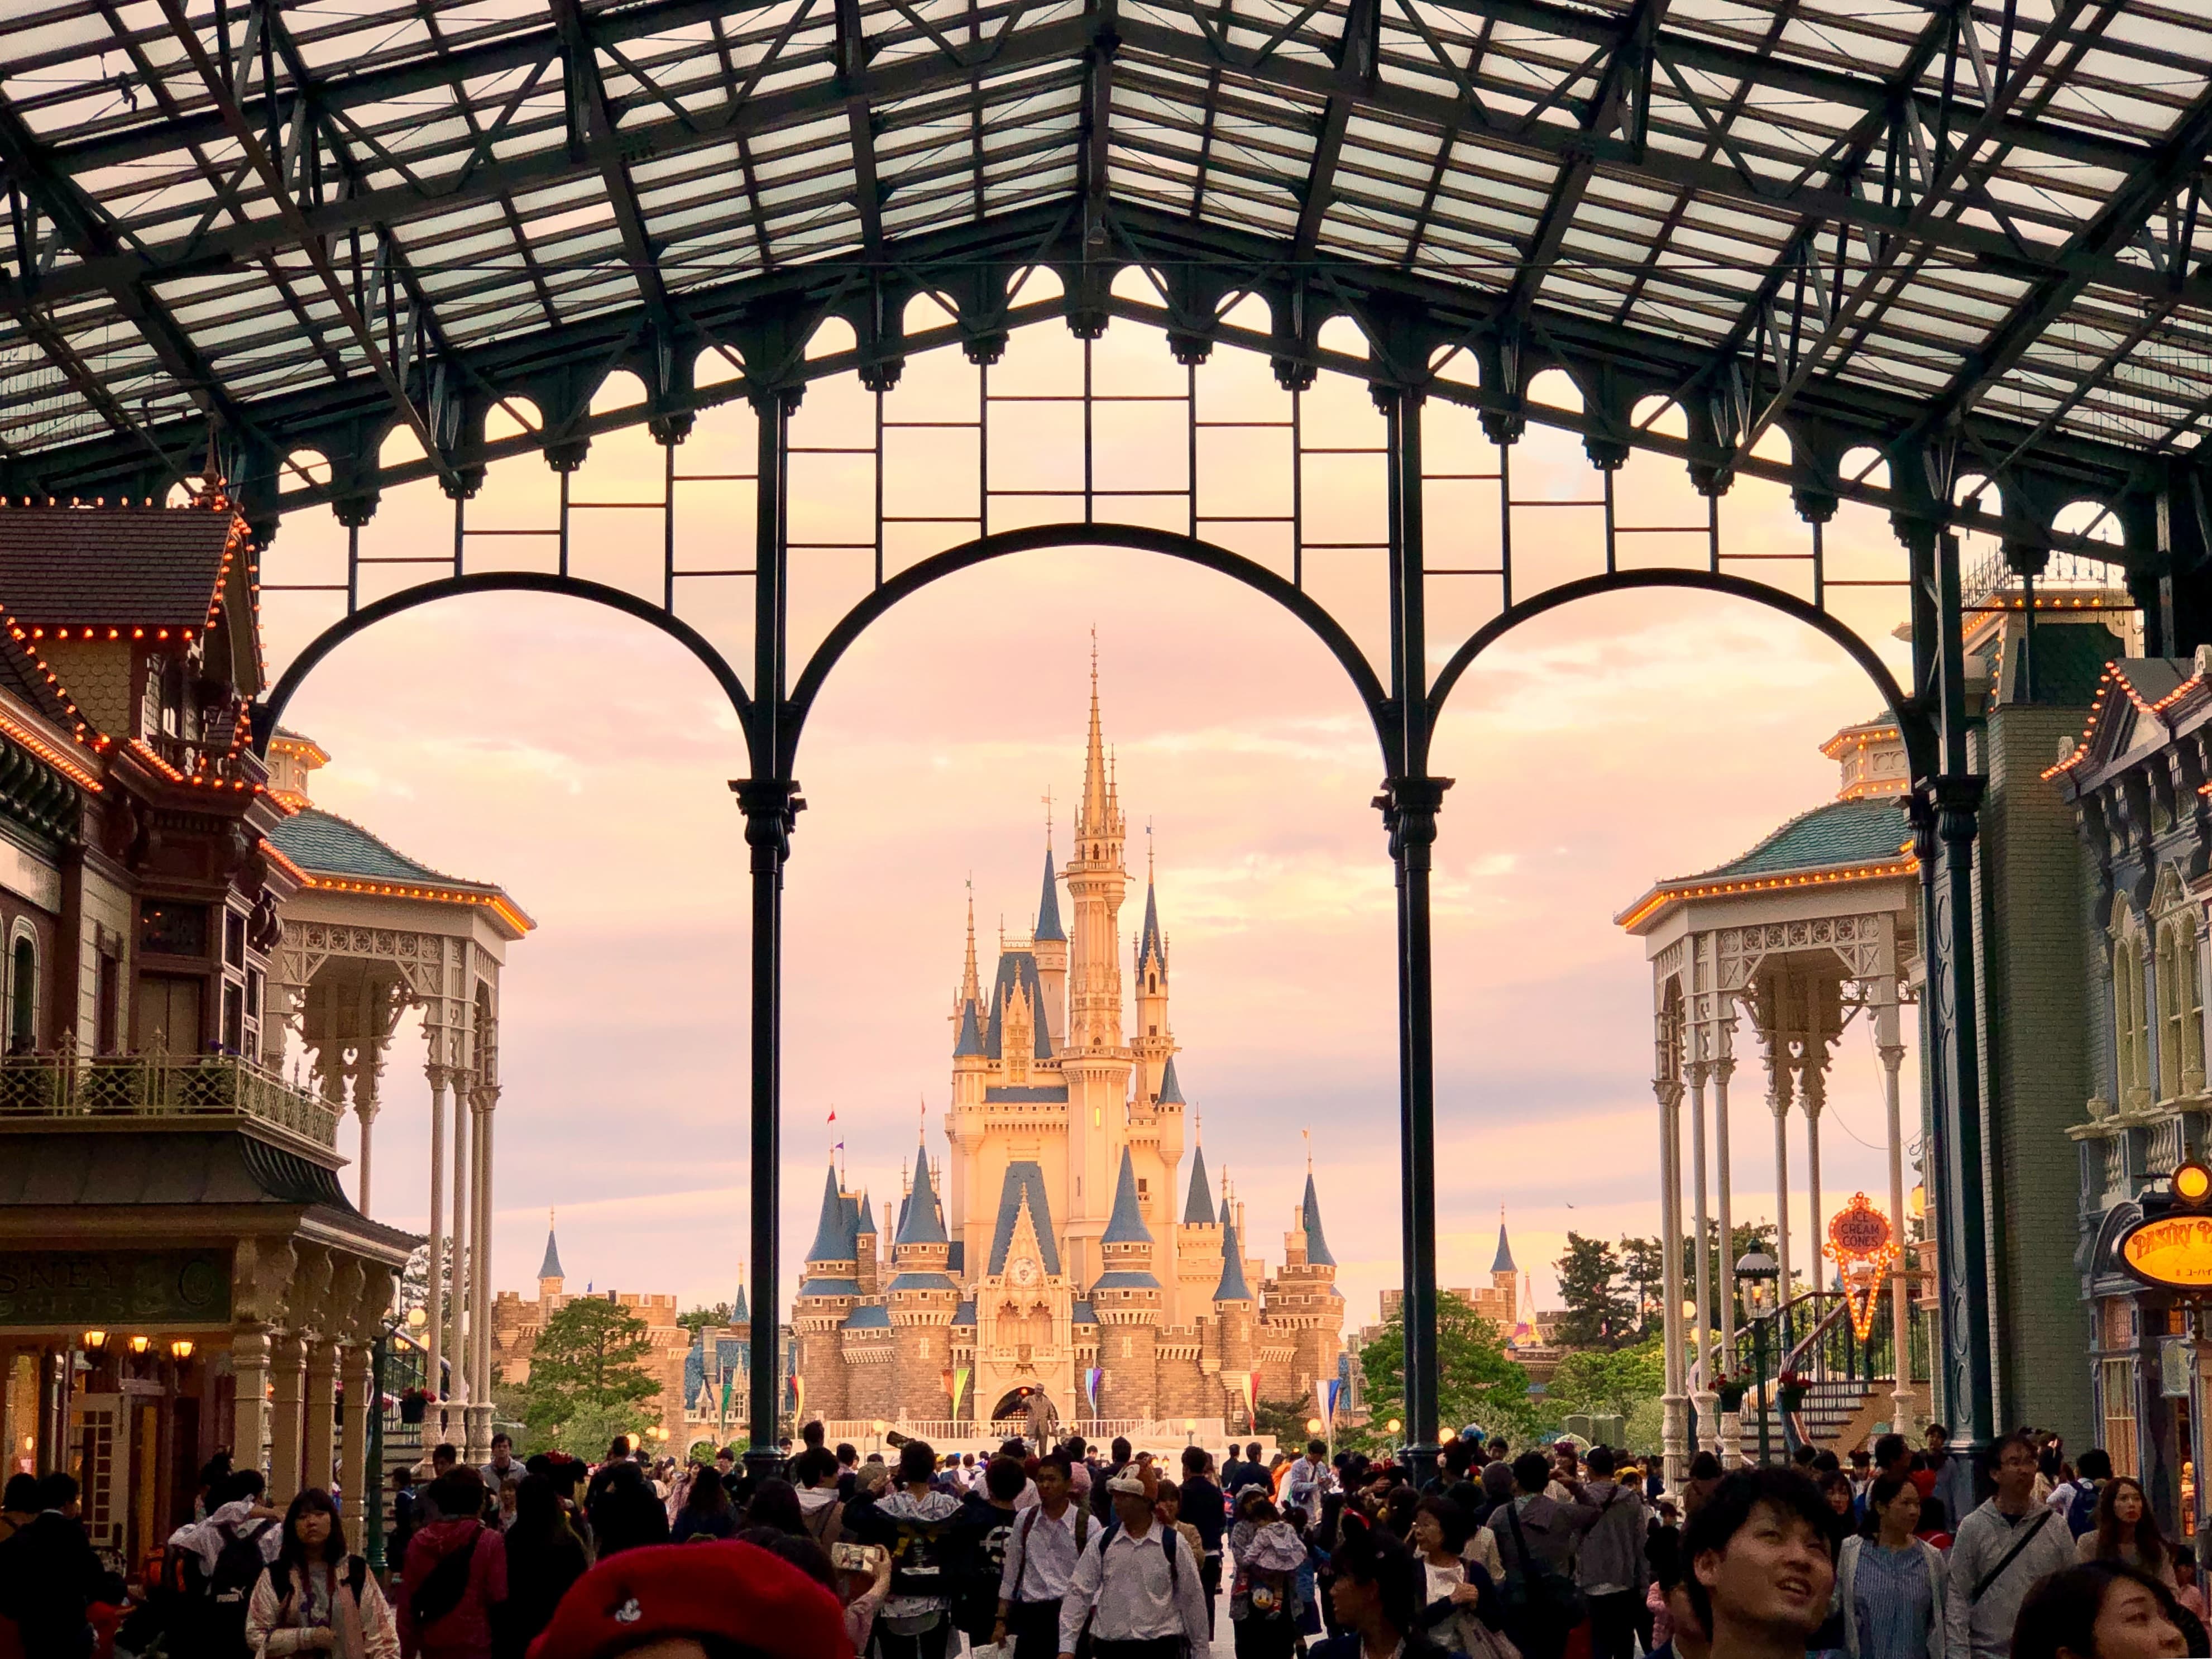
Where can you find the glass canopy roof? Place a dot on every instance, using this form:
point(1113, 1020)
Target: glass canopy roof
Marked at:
point(237, 211)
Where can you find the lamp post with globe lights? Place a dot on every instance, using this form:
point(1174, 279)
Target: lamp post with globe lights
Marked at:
point(1760, 1275)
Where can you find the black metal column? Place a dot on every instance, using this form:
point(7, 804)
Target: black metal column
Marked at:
point(1409, 804)
point(1945, 811)
point(769, 799)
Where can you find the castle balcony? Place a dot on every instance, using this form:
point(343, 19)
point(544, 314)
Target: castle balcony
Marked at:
point(51, 1090)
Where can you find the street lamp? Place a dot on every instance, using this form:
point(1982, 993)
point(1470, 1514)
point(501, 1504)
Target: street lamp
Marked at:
point(1757, 1272)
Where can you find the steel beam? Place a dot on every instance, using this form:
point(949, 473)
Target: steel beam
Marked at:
point(1355, 74)
point(587, 97)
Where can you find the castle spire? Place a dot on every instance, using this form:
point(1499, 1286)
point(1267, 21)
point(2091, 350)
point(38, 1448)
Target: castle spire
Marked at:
point(1127, 1225)
point(1048, 917)
point(834, 1236)
point(921, 1222)
point(971, 987)
point(1309, 1214)
point(1503, 1261)
point(1232, 1287)
point(1198, 1210)
point(1095, 817)
point(550, 1267)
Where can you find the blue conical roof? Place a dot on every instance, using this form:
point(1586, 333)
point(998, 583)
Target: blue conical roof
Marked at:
point(1199, 1210)
point(739, 1314)
point(1047, 923)
point(922, 1223)
point(1170, 1089)
point(1316, 1246)
point(1232, 1287)
point(1127, 1225)
point(1503, 1261)
point(834, 1238)
point(866, 1224)
point(1148, 942)
point(550, 1267)
point(970, 1041)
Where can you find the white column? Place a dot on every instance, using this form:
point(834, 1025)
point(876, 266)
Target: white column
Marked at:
point(480, 1409)
point(1724, 1067)
point(1708, 1406)
point(1673, 1416)
point(433, 1309)
point(458, 1316)
point(1888, 1044)
point(1814, 1090)
point(364, 1109)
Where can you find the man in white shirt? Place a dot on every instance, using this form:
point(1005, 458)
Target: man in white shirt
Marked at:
point(1134, 1586)
point(1047, 1542)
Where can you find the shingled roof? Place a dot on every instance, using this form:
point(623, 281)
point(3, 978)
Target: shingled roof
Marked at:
point(114, 566)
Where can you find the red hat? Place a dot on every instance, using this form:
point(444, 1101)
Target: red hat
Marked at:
point(739, 1592)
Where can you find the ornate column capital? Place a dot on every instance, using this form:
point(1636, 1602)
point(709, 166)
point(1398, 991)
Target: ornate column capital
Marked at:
point(1409, 806)
point(261, 1273)
point(771, 806)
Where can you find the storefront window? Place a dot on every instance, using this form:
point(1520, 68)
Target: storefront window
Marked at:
point(171, 929)
point(2120, 1415)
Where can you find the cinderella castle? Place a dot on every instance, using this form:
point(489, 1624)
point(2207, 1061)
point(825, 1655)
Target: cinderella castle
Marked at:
point(1048, 1256)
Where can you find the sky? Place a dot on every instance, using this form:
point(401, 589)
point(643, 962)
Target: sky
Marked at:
point(582, 759)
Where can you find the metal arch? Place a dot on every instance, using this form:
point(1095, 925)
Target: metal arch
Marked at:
point(1918, 730)
point(1137, 538)
point(498, 581)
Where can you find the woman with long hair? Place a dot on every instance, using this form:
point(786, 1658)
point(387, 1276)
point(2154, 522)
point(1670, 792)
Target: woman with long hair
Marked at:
point(2127, 1531)
point(1376, 1595)
point(705, 1512)
point(775, 1503)
point(314, 1597)
point(544, 1556)
point(2100, 1610)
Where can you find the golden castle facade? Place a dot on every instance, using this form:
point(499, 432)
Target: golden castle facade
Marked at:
point(1046, 1253)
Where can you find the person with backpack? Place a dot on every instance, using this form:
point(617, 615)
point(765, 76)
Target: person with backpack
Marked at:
point(1132, 1592)
point(1102, 1498)
point(1263, 1601)
point(981, 1533)
point(2077, 1499)
point(2001, 1550)
point(1536, 1536)
point(315, 1597)
point(454, 1576)
point(915, 1523)
point(815, 1473)
point(544, 1556)
point(1041, 1556)
point(212, 1566)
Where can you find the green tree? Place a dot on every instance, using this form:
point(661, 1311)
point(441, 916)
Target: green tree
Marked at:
point(711, 1318)
point(1598, 1311)
point(1643, 1265)
point(1616, 1381)
point(588, 1381)
point(1479, 1381)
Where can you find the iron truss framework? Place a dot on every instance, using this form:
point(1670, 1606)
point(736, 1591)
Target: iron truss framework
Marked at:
point(1963, 235)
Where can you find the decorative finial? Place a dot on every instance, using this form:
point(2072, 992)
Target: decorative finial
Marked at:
point(1308, 1134)
point(1048, 818)
point(1148, 852)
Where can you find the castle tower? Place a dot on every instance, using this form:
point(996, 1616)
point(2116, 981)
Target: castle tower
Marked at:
point(1306, 1313)
point(923, 1299)
point(1197, 1245)
point(865, 1241)
point(1126, 1299)
point(550, 1276)
point(1506, 1277)
point(1097, 1062)
point(971, 1066)
point(1155, 1040)
point(1051, 947)
point(829, 1293)
point(1232, 1304)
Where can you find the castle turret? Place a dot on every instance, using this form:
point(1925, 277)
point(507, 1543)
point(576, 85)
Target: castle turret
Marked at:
point(1051, 946)
point(1155, 1040)
point(829, 1293)
point(1306, 1313)
point(866, 1256)
point(1505, 1278)
point(1197, 1245)
point(550, 1276)
point(1127, 1300)
point(1232, 1306)
point(1096, 1061)
point(923, 1299)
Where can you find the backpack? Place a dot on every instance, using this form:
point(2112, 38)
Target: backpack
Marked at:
point(445, 1585)
point(1083, 1646)
point(211, 1602)
point(1539, 1603)
point(2081, 1512)
point(280, 1578)
point(918, 1556)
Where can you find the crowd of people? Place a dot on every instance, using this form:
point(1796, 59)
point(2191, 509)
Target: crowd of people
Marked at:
point(1051, 1552)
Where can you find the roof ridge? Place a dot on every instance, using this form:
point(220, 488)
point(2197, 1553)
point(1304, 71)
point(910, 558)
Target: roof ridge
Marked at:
point(366, 833)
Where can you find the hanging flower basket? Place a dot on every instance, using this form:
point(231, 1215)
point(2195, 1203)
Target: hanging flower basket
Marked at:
point(414, 1406)
point(1789, 1391)
point(1730, 1393)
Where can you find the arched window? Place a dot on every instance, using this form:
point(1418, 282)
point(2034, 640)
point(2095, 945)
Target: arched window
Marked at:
point(2180, 1007)
point(23, 995)
point(2131, 1016)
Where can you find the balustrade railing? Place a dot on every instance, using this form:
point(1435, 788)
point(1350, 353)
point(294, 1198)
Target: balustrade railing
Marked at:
point(70, 1087)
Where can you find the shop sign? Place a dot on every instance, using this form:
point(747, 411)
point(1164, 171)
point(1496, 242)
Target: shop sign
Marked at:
point(114, 1289)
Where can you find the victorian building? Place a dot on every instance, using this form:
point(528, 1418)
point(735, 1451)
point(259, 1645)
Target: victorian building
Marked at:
point(1047, 1253)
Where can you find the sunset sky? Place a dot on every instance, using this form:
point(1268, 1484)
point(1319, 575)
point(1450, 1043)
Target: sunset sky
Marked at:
point(582, 759)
